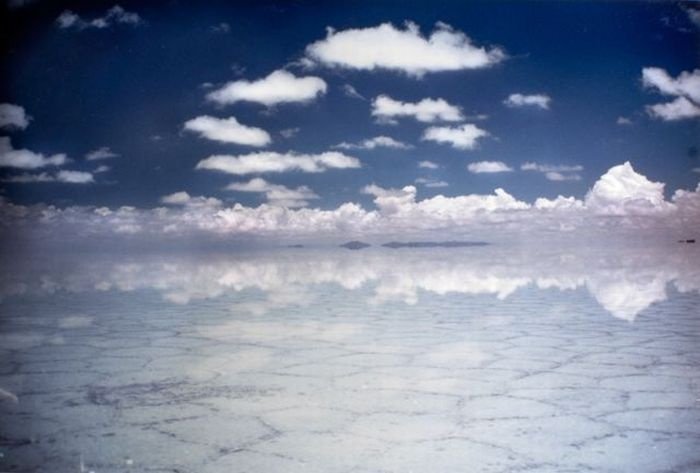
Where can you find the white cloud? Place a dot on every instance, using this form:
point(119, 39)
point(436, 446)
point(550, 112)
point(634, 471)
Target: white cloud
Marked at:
point(100, 169)
point(221, 28)
point(376, 142)
point(13, 116)
point(461, 137)
point(685, 87)
point(558, 176)
point(176, 198)
point(289, 132)
point(679, 109)
point(623, 121)
point(622, 206)
point(25, 159)
point(183, 198)
point(687, 84)
point(101, 153)
point(228, 130)
point(74, 177)
point(428, 165)
point(276, 194)
point(385, 109)
point(351, 92)
point(693, 15)
point(488, 167)
point(405, 50)
point(279, 87)
point(534, 100)
point(531, 166)
point(68, 177)
point(269, 161)
point(622, 191)
point(555, 172)
point(115, 15)
point(431, 183)
point(29, 178)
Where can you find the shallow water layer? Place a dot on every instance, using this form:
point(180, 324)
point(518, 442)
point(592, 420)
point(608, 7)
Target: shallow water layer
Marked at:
point(381, 360)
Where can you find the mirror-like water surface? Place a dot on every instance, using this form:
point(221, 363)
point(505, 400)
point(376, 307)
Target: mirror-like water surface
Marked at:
point(478, 359)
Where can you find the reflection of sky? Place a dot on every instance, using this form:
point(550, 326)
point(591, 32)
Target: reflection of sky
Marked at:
point(624, 283)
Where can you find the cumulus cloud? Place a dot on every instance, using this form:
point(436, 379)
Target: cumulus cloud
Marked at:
point(685, 87)
point(461, 137)
point(279, 87)
point(385, 110)
point(101, 153)
point(622, 191)
point(13, 117)
point(185, 199)
point(555, 172)
point(488, 167)
point(100, 169)
point(622, 205)
point(405, 50)
point(113, 16)
point(276, 194)
point(65, 176)
point(678, 109)
point(25, 159)
point(376, 142)
point(428, 165)
point(430, 183)
point(535, 100)
point(228, 130)
point(687, 84)
point(269, 161)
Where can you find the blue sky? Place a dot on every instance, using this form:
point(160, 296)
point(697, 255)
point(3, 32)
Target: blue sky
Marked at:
point(128, 80)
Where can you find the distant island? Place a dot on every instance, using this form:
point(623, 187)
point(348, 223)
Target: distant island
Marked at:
point(433, 244)
point(295, 246)
point(355, 245)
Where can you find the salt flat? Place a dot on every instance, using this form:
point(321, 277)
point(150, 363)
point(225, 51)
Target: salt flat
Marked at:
point(475, 359)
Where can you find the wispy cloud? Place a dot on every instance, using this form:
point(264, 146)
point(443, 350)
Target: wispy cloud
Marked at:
point(65, 176)
point(276, 194)
point(534, 100)
point(376, 142)
point(113, 16)
point(101, 153)
point(555, 172)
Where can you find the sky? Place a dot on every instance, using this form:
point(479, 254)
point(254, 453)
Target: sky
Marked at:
point(305, 119)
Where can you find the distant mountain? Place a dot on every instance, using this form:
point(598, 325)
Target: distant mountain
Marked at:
point(355, 245)
point(433, 244)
